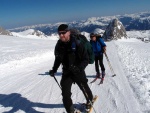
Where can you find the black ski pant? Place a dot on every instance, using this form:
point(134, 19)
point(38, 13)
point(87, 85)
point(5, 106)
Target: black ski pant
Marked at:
point(66, 83)
point(99, 61)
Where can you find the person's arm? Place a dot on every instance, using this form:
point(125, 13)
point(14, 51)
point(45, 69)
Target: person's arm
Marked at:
point(57, 61)
point(103, 45)
point(55, 67)
point(102, 42)
point(56, 64)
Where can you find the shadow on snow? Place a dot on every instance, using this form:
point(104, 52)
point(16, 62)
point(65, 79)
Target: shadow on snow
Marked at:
point(17, 102)
point(47, 73)
point(60, 74)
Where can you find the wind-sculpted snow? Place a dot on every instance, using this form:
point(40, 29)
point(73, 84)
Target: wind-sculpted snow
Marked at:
point(135, 57)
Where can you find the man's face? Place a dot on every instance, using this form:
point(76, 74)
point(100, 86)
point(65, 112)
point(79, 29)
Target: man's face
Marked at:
point(64, 36)
point(93, 38)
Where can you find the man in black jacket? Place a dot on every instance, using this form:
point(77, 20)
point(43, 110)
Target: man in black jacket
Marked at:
point(74, 61)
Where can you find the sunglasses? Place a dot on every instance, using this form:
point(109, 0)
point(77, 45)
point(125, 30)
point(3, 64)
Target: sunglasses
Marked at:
point(92, 36)
point(62, 32)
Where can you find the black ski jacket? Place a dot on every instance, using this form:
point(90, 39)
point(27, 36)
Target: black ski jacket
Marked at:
point(66, 56)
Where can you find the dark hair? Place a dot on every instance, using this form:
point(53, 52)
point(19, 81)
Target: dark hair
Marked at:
point(63, 27)
point(92, 34)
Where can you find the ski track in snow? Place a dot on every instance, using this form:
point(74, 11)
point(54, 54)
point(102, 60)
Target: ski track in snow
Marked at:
point(26, 86)
point(137, 70)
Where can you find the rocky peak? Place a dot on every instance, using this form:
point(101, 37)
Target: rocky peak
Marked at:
point(115, 30)
point(4, 32)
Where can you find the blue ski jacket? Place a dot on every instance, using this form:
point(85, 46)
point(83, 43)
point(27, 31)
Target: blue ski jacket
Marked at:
point(98, 46)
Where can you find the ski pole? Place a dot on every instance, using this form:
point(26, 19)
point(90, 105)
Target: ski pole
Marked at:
point(110, 65)
point(57, 82)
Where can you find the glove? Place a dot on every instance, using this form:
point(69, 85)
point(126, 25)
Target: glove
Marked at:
point(104, 49)
point(74, 69)
point(51, 73)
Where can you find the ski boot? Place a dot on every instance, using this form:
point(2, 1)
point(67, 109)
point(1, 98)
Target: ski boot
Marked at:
point(98, 75)
point(102, 79)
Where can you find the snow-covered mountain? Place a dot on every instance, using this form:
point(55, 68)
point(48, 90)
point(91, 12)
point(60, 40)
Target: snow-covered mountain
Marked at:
point(4, 32)
point(115, 30)
point(26, 86)
point(139, 34)
point(137, 21)
point(31, 33)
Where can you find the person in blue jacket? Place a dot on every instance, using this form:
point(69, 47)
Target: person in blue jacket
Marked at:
point(99, 47)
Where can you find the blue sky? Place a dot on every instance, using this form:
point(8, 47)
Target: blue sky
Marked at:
point(17, 13)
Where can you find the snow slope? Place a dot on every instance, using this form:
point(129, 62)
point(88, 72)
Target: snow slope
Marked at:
point(26, 87)
point(135, 56)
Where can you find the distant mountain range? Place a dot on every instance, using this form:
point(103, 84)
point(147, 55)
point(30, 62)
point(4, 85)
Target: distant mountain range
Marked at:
point(137, 21)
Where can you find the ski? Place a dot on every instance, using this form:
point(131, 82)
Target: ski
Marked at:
point(82, 108)
point(93, 101)
point(94, 80)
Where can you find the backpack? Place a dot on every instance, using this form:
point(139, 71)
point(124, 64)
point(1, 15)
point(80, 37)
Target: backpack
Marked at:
point(97, 39)
point(82, 39)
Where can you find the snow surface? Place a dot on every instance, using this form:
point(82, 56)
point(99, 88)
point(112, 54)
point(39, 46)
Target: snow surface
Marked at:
point(26, 87)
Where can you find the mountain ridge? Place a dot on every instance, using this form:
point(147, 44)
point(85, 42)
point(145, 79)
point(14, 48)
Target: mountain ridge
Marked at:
point(136, 21)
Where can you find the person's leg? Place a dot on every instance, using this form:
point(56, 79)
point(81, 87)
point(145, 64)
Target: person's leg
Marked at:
point(102, 68)
point(97, 66)
point(66, 83)
point(83, 85)
point(86, 91)
point(102, 65)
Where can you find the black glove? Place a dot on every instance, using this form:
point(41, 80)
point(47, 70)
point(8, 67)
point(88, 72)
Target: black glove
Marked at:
point(74, 69)
point(51, 73)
